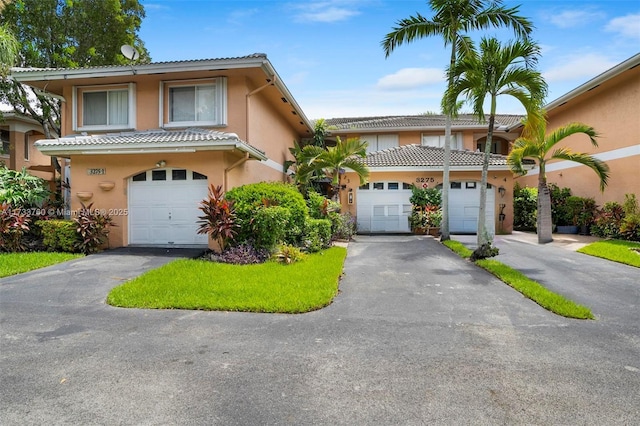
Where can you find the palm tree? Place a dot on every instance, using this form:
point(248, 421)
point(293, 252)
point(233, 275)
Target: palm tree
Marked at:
point(9, 48)
point(539, 146)
point(345, 155)
point(497, 70)
point(451, 20)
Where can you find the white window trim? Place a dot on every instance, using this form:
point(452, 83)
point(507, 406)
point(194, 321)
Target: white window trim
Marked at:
point(221, 99)
point(374, 139)
point(131, 125)
point(458, 144)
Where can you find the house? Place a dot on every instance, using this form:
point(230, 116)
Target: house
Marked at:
point(19, 135)
point(408, 150)
point(610, 103)
point(145, 141)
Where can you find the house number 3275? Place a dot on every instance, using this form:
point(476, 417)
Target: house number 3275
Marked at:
point(425, 180)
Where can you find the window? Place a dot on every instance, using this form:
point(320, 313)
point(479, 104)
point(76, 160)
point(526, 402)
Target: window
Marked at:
point(26, 146)
point(379, 142)
point(456, 185)
point(437, 141)
point(378, 185)
point(196, 104)
point(406, 185)
point(6, 143)
point(392, 185)
point(100, 108)
point(470, 185)
point(159, 175)
point(140, 177)
point(198, 176)
point(365, 186)
point(179, 174)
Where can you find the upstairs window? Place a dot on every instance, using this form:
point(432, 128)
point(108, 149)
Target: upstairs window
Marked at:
point(437, 141)
point(100, 108)
point(379, 142)
point(196, 104)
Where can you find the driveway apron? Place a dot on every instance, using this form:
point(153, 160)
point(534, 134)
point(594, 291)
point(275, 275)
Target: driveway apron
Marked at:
point(415, 336)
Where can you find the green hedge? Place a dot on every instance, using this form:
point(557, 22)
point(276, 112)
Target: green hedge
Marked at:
point(59, 235)
point(317, 235)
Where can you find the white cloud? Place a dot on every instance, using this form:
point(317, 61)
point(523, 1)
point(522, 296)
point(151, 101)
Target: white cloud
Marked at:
point(575, 67)
point(627, 26)
point(409, 78)
point(325, 11)
point(574, 18)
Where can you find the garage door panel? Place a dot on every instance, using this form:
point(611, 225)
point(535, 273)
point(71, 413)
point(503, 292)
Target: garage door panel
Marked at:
point(383, 209)
point(166, 212)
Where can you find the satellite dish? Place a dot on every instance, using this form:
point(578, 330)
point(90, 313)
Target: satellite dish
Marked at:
point(129, 52)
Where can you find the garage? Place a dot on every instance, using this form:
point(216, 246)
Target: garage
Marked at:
point(384, 207)
point(163, 207)
point(464, 206)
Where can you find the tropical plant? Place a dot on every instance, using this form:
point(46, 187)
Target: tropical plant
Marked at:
point(343, 226)
point(317, 235)
point(243, 254)
point(451, 20)
point(630, 226)
point(608, 221)
point(219, 219)
point(524, 208)
point(496, 71)
point(59, 235)
point(302, 169)
point(21, 189)
point(288, 254)
point(541, 147)
point(93, 226)
point(344, 155)
point(9, 48)
point(421, 197)
point(14, 223)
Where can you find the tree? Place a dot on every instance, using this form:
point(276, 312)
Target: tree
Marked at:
point(497, 70)
point(453, 18)
point(343, 156)
point(67, 34)
point(537, 145)
point(8, 49)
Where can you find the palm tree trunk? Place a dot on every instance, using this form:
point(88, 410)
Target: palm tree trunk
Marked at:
point(543, 221)
point(444, 226)
point(483, 236)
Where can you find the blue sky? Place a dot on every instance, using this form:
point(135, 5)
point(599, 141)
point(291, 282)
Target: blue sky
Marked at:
point(328, 52)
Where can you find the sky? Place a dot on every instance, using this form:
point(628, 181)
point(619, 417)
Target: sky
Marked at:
point(329, 54)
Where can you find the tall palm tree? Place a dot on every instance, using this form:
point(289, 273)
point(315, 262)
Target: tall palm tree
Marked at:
point(541, 147)
point(451, 20)
point(497, 70)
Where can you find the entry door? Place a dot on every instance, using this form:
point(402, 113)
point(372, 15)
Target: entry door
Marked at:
point(163, 207)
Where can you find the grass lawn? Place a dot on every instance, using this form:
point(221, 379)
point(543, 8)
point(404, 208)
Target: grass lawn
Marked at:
point(17, 263)
point(616, 250)
point(268, 287)
point(549, 300)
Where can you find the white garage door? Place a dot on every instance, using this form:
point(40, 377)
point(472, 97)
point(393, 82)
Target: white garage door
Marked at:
point(464, 205)
point(163, 207)
point(383, 207)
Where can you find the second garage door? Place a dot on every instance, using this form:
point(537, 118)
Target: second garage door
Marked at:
point(464, 206)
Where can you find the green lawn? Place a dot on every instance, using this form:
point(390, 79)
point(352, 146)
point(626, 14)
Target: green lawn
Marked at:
point(269, 287)
point(549, 300)
point(17, 263)
point(615, 250)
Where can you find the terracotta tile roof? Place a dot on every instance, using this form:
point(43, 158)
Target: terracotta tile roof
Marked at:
point(157, 136)
point(417, 122)
point(139, 65)
point(429, 157)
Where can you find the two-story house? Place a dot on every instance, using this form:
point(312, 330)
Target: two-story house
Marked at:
point(19, 135)
point(408, 150)
point(145, 141)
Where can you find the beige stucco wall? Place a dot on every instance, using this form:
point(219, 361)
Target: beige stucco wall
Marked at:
point(496, 178)
point(613, 109)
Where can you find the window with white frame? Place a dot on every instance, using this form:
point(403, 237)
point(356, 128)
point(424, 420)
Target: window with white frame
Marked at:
point(438, 141)
point(196, 103)
point(100, 108)
point(379, 142)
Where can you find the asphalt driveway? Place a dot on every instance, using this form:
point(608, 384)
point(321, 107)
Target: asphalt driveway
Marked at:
point(416, 336)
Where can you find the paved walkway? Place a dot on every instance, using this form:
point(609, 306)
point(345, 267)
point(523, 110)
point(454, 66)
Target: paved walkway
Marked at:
point(415, 336)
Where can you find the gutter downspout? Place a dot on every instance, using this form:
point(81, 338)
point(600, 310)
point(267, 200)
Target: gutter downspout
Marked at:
point(233, 166)
point(253, 92)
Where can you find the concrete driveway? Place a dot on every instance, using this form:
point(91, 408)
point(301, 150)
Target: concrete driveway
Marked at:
point(416, 336)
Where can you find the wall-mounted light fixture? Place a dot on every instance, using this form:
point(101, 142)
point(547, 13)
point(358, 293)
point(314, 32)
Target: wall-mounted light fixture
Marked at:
point(502, 191)
point(350, 196)
point(161, 163)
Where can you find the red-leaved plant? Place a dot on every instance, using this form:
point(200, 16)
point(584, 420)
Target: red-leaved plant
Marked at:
point(219, 219)
point(13, 225)
point(93, 228)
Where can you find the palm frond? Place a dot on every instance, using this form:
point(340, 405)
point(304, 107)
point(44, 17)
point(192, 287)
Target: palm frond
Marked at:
point(598, 166)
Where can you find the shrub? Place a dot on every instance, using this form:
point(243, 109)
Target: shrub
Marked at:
point(343, 226)
point(608, 221)
point(525, 207)
point(13, 226)
point(288, 254)
point(243, 254)
point(20, 189)
point(219, 219)
point(630, 226)
point(270, 226)
point(317, 234)
point(425, 196)
point(59, 235)
point(321, 207)
point(93, 227)
point(485, 251)
point(250, 198)
point(559, 215)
